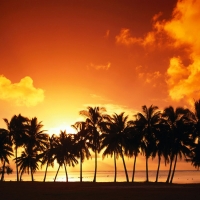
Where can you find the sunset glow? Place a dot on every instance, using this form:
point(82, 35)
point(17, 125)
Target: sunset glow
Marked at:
point(58, 57)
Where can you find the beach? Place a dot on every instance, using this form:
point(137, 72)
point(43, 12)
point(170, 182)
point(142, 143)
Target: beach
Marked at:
point(97, 191)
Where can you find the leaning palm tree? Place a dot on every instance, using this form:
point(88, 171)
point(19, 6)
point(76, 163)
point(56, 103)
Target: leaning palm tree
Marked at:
point(180, 136)
point(146, 123)
point(17, 131)
point(93, 120)
point(81, 145)
point(5, 150)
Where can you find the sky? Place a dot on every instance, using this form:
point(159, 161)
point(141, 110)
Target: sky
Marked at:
point(59, 56)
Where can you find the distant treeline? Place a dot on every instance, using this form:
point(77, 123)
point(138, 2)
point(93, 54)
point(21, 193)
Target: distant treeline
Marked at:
point(166, 135)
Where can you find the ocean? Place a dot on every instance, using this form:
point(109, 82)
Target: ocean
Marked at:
point(181, 176)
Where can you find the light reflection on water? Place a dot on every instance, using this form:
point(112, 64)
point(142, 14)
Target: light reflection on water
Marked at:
point(181, 176)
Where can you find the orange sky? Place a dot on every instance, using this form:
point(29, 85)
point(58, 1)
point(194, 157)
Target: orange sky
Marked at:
point(57, 57)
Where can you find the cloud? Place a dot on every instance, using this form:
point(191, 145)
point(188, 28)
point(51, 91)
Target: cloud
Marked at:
point(107, 34)
point(180, 36)
point(183, 79)
point(22, 93)
point(99, 67)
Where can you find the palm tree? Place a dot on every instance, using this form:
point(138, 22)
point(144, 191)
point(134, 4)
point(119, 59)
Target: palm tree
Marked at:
point(180, 136)
point(5, 150)
point(17, 132)
point(28, 160)
point(65, 153)
point(93, 120)
point(146, 123)
point(110, 141)
point(133, 145)
point(49, 153)
point(81, 145)
point(119, 131)
point(162, 144)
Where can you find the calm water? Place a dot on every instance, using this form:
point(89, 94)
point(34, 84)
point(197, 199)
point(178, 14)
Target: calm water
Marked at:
point(181, 176)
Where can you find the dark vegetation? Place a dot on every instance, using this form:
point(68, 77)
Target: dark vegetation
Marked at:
point(166, 135)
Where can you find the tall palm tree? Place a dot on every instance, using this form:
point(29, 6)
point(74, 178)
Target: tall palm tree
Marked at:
point(146, 123)
point(5, 150)
point(48, 156)
point(81, 145)
point(110, 141)
point(180, 136)
point(65, 153)
point(133, 145)
point(17, 130)
point(93, 120)
point(120, 129)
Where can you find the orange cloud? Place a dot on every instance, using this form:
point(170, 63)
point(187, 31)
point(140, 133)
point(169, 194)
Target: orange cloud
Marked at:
point(178, 32)
point(99, 67)
point(183, 80)
point(22, 93)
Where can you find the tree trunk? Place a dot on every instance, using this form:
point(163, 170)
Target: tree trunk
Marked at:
point(174, 168)
point(66, 172)
point(133, 175)
point(16, 164)
point(3, 171)
point(170, 168)
point(95, 170)
point(159, 159)
point(115, 178)
point(126, 173)
point(31, 174)
point(56, 174)
point(147, 171)
point(45, 174)
point(81, 168)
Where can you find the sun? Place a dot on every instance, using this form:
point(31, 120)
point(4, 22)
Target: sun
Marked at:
point(61, 127)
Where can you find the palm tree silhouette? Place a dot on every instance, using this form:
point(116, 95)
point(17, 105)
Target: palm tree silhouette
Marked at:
point(120, 123)
point(28, 161)
point(48, 156)
point(146, 122)
point(93, 120)
point(133, 145)
point(5, 151)
point(110, 141)
point(17, 131)
point(81, 145)
point(65, 153)
point(180, 138)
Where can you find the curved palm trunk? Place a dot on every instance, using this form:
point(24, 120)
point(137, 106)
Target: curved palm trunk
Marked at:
point(126, 173)
point(95, 170)
point(174, 168)
point(170, 169)
point(133, 175)
point(159, 159)
point(45, 174)
point(115, 164)
point(80, 167)
point(3, 171)
point(16, 164)
point(56, 174)
point(147, 171)
point(66, 172)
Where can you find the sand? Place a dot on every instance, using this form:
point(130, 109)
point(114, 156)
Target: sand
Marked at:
point(97, 191)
